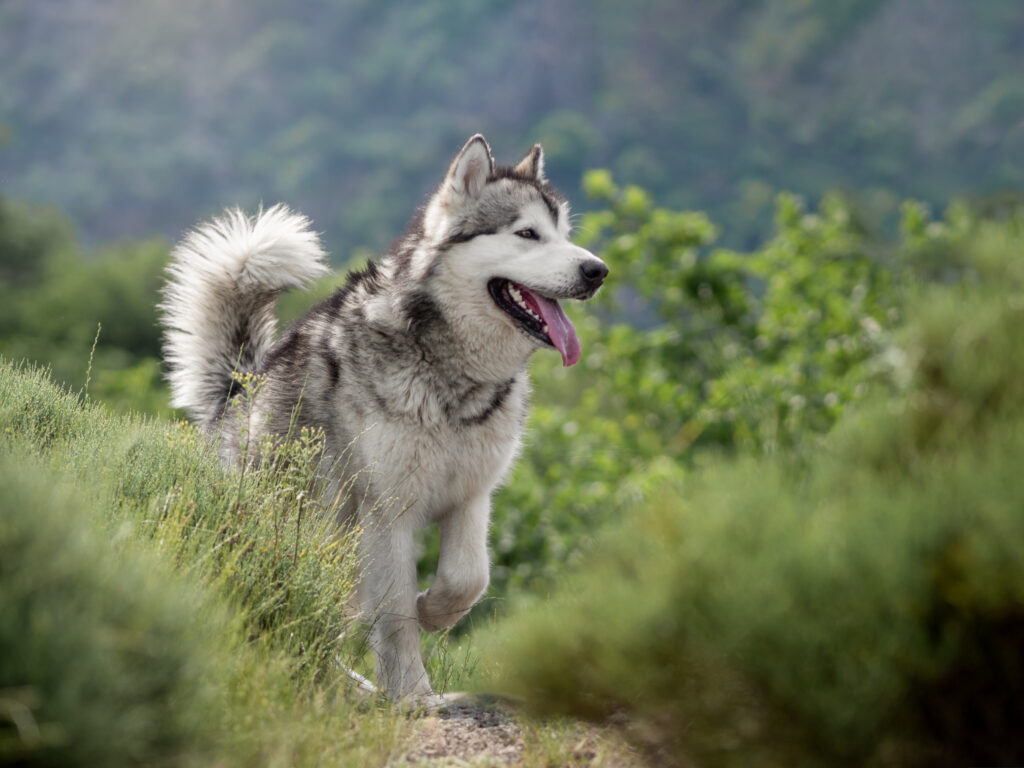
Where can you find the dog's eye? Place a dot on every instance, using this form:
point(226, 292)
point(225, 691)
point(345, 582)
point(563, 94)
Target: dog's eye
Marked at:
point(527, 234)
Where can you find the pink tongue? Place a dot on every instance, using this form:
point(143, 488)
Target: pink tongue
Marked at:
point(560, 329)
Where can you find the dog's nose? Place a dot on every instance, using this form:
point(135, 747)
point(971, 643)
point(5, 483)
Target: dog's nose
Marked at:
point(593, 271)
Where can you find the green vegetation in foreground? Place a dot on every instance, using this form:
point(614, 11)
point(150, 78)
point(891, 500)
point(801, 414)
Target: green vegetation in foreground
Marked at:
point(159, 611)
point(866, 607)
point(105, 659)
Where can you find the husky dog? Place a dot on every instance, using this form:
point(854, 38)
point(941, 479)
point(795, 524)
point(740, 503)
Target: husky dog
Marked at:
point(415, 371)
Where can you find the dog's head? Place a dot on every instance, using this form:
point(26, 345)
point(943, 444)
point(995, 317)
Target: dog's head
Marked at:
point(501, 239)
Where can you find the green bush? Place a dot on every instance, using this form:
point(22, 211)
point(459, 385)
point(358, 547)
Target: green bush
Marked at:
point(213, 605)
point(865, 607)
point(54, 296)
point(106, 656)
point(259, 534)
point(692, 351)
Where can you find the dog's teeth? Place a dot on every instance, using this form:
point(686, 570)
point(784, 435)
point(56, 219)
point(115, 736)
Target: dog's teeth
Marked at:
point(517, 297)
point(545, 328)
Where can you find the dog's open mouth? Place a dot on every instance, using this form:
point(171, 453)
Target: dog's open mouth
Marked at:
point(538, 315)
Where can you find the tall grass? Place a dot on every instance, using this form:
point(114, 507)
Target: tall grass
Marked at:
point(102, 658)
point(260, 534)
point(159, 610)
point(865, 608)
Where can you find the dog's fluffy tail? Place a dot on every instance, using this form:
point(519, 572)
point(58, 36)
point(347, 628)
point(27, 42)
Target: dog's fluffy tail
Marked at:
point(218, 303)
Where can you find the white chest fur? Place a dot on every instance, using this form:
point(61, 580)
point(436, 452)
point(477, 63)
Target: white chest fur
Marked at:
point(427, 469)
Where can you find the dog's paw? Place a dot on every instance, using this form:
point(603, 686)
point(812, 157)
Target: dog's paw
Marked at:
point(438, 610)
point(427, 613)
point(443, 604)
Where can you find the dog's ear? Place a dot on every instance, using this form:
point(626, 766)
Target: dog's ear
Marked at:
point(470, 169)
point(532, 166)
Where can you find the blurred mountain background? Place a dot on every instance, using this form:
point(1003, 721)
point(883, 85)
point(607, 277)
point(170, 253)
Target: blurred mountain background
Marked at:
point(139, 117)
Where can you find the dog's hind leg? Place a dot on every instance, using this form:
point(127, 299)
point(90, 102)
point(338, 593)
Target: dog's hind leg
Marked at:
point(463, 570)
point(387, 592)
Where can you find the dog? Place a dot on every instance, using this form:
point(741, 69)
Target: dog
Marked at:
point(415, 371)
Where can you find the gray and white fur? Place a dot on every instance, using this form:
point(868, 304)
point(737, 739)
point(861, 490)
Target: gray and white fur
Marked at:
point(415, 370)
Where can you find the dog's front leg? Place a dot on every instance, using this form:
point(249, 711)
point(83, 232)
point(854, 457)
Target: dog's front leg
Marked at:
point(463, 570)
point(387, 593)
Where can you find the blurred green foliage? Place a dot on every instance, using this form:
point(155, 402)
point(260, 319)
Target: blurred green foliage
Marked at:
point(863, 607)
point(56, 300)
point(744, 349)
point(139, 117)
point(101, 661)
point(697, 351)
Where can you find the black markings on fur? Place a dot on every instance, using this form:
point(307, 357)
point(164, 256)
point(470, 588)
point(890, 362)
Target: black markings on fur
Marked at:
point(235, 387)
point(501, 393)
point(510, 172)
point(241, 340)
point(422, 313)
point(487, 218)
point(369, 278)
point(382, 404)
point(550, 203)
point(552, 197)
point(333, 369)
point(464, 237)
point(286, 350)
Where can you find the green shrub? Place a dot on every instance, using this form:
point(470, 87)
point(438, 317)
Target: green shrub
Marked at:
point(106, 656)
point(691, 351)
point(212, 605)
point(866, 607)
point(261, 534)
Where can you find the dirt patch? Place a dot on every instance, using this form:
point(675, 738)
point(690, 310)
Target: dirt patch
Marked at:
point(483, 731)
point(469, 732)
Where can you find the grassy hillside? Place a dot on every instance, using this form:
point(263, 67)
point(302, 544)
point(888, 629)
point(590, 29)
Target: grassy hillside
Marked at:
point(107, 657)
point(158, 611)
point(864, 606)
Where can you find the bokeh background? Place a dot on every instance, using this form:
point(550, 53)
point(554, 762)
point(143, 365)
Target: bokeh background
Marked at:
point(138, 117)
point(784, 471)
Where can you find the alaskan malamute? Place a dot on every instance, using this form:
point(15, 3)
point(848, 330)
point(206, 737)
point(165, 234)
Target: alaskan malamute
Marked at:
point(415, 371)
